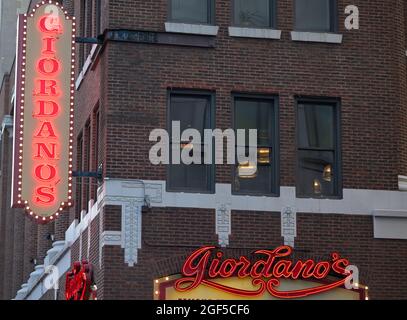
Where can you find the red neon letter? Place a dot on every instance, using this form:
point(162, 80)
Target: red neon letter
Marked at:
point(48, 85)
point(43, 110)
point(49, 128)
point(46, 194)
point(39, 172)
point(49, 45)
point(52, 64)
point(49, 153)
point(50, 24)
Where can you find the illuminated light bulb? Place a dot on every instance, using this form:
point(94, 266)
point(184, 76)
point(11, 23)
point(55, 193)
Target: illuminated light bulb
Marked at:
point(167, 278)
point(57, 214)
point(317, 186)
point(36, 217)
point(367, 298)
point(69, 204)
point(19, 202)
point(366, 288)
point(247, 170)
point(51, 217)
point(156, 293)
point(156, 281)
point(327, 173)
point(31, 213)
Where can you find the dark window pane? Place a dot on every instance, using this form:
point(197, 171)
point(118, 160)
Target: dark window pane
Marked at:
point(249, 179)
point(255, 114)
point(313, 15)
point(192, 11)
point(316, 173)
point(253, 13)
point(193, 112)
point(316, 126)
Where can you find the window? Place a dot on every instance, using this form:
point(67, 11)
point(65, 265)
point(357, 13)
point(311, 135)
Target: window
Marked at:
point(96, 150)
point(258, 113)
point(315, 15)
point(192, 11)
point(318, 172)
point(193, 111)
point(79, 167)
point(255, 13)
point(87, 164)
point(98, 17)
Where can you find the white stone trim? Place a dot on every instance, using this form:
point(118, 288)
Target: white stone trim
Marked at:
point(289, 225)
point(324, 37)
point(254, 33)
point(223, 224)
point(189, 28)
point(86, 66)
point(111, 238)
point(402, 183)
point(355, 201)
point(388, 224)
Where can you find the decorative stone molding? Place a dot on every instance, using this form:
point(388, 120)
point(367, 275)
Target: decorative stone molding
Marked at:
point(57, 247)
point(111, 238)
point(289, 225)
point(131, 231)
point(130, 195)
point(35, 275)
point(223, 224)
point(22, 292)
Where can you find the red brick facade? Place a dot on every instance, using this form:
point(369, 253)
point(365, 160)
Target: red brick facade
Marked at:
point(123, 97)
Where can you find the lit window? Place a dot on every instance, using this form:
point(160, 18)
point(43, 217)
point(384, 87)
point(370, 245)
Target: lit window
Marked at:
point(252, 112)
point(318, 150)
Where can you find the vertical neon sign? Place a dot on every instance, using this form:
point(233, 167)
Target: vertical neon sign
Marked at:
point(43, 130)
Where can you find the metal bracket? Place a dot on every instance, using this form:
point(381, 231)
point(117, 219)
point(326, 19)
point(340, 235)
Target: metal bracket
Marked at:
point(86, 174)
point(98, 40)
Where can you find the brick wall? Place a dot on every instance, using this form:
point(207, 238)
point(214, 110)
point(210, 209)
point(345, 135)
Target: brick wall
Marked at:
point(365, 71)
point(129, 84)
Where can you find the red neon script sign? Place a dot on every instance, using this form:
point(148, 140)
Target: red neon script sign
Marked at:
point(265, 272)
point(44, 112)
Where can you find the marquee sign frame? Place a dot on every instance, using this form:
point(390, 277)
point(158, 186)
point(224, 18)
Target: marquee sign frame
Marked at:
point(43, 112)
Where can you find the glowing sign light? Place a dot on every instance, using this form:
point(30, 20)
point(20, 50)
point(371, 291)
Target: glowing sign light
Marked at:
point(42, 164)
point(206, 266)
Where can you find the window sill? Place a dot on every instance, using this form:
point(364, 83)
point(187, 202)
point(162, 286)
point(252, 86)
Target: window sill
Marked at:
point(254, 33)
point(201, 29)
point(323, 37)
